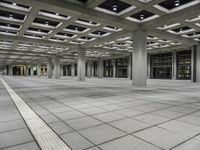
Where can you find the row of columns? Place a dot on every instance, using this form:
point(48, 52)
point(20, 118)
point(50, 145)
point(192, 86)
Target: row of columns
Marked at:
point(140, 70)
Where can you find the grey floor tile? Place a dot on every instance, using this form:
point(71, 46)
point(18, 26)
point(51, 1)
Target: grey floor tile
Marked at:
point(128, 143)
point(83, 122)
point(181, 128)
point(151, 118)
point(60, 127)
point(76, 141)
point(12, 138)
point(161, 137)
point(59, 109)
point(190, 119)
point(181, 109)
point(9, 117)
point(12, 125)
point(111, 107)
point(129, 125)
point(101, 133)
point(26, 146)
point(94, 148)
point(129, 112)
point(109, 116)
point(50, 118)
point(69, 115)
point(192, 144)
point(168, 114)
point(92, 111)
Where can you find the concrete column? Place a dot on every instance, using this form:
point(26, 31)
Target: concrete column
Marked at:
point(22, 71)
point(129, 67)
point(49, 68)
point(92, 66)
point(100, 68)
point(114, 68)
point(73, 69)
point(38, 70)
point(61, 70)
point(89, 69)
point(195, 63)
point(31, 70)
point(10, 70)
point(139, 58)
point(198, 63)
point(57, 67)
point(81, 65)
point(148, 66)
point(27, 70)
point(174, 65)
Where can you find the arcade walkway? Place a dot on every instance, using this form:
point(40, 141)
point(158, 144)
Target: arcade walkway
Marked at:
point(100, 114)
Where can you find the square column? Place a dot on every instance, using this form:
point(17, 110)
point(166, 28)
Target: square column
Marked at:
point(25, 70)
point(174, 65)
point(114, 68)
point(81, 65)
point(100, 68)
point(73, 69)
point(10, 70)
point(89, 69)
point(61, 70)
point(49, 68)
point(139, 58)
point(195, 63)
point(198, 63)
point(129, 67)
point(38, 70)
point(148, 66)
point(92, 66)
point(31, 70)
point(57, 67)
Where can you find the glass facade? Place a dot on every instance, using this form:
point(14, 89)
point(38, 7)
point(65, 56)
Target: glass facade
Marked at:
point(184, 65)
point(161, 66)
point(121, 67)
point(95, 65)
point(108, 68)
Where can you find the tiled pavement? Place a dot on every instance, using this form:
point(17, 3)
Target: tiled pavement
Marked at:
point(104, 114)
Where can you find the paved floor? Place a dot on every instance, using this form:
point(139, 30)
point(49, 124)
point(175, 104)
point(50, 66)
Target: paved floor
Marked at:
point(104, 114)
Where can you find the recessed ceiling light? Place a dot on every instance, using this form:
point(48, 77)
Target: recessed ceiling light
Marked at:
point(177, 3)
point(114, 7)
point(141, 16)
point(14, 4)
point(57, 14)
point(10, 16)
point(46, 23)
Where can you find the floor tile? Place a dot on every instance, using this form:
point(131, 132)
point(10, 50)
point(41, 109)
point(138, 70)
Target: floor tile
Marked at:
point(161, 137)
point(129, 125)
point(12, 138)
point(83, 122)
point(109, 116)
point(26, 146)
point(101, 133)
point(12, 125)
point(128, 143)
point(60, 127)
point(151, 118)
point(189, 145)
point(76, 141)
